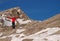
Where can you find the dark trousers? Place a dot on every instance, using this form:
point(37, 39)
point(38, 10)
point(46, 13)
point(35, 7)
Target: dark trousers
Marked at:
point(13, 25)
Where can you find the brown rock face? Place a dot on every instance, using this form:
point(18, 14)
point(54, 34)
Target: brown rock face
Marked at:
point(15, 12)
point(6, 39)
point(53, 21)
point(27, 40)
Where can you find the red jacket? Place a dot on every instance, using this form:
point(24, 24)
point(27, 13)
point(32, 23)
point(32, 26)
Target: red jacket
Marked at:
point(13, 19)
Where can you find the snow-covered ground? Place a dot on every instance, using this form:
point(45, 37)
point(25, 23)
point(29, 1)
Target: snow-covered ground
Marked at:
point(40, 36)
point(43, 35)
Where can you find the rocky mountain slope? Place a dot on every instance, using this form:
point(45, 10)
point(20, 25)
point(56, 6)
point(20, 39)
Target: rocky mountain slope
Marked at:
point(27, 29)
point(37, 26)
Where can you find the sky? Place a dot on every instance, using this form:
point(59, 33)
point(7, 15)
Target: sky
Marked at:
point(35, 9)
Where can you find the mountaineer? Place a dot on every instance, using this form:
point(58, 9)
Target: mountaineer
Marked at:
point(13, 19)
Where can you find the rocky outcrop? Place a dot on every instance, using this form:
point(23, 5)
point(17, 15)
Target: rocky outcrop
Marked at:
point(16, 11)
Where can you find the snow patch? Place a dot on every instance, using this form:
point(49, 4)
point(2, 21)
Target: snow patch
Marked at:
point(20, 30)
point(23, 22)
point(1, 34)
point(20, 27)
point(15, 39)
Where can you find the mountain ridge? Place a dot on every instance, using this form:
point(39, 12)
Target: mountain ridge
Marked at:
point(28, 27)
